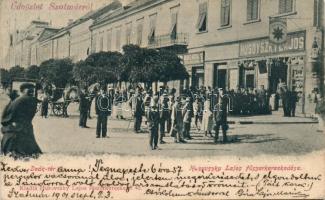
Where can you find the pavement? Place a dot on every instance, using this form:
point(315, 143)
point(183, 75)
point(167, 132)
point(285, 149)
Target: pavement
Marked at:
point(57, 135)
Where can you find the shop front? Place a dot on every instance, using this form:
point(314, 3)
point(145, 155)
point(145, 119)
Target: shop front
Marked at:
point(268, 64)
point(261, 63)
point(194, 63)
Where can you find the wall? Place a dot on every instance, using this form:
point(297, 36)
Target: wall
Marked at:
point(80, 40)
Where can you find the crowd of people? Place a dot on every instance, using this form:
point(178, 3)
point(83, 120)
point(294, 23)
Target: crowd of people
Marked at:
point(164, 112)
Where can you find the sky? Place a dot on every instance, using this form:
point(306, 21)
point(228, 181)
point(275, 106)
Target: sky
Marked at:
point(17, 14)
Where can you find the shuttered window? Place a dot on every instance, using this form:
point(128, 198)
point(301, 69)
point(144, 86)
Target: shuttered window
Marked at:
point(94, 44)
point(109, 40)
point(225, 12)
point(252, 10)
point(285, 6)
point(139, 31)
point(202, 20)
point(118, 38)
point(128, 32)
point(152, 27)
point(173, 28)
point(101, 42)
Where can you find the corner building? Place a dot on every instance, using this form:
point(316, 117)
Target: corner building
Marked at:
point(229, 46)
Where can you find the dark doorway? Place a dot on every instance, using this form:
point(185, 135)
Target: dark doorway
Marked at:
point(278, 71)
point(222, 78)
point(250, 81)
point(197, 76)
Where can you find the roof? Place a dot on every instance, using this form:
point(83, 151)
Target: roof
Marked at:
point(47, 33)
point(126, 9)
point(90, 15)
point(94, 14)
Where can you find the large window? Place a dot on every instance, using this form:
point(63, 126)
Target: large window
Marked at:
point(202, 20)
point(286, 6)
point(128, 32)
point(139, 31)
point(252, 10)
point(94, 43)
point(152, 27)
point(173, 28)
point(118, 38)
point(225, 12)
point(109, 40)
point(101, 42)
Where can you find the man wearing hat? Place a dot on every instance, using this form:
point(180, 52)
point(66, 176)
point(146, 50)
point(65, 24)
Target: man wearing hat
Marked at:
point(187, 118)
point(164, 116)
point(18, 134)
point(137, 110)
point(83, 108)
point(103, 106)
point(153, 123)
point(220, 115)
point(177, 122)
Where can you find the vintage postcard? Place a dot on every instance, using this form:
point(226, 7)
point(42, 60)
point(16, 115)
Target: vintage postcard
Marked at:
point(162, 99)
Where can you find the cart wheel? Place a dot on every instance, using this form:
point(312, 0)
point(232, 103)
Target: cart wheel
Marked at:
point(57, 109)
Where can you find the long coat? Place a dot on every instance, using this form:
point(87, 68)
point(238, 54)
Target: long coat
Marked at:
point(18, 135)
point(220, 110)
point(177, 117)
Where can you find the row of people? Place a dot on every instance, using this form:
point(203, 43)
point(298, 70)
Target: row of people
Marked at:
point(177, 113)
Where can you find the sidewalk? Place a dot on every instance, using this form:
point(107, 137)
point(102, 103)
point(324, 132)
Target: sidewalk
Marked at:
point(275, 118)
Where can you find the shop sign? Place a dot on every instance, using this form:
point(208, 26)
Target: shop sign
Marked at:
point(278, 30)
point(263, 47)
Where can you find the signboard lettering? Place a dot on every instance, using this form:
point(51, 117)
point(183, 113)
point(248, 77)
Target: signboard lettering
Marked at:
point(295, 42)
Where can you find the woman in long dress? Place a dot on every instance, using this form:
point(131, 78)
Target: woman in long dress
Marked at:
point(207, 120)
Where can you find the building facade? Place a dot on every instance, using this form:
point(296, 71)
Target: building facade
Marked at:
point(223, 43)
point(232, 47)
point(19, 51)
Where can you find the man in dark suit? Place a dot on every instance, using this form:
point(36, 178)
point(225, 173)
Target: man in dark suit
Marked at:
point(103, 105)
point(137, 110)
point(164, 116)
point(220, 115)
point(153, 123)
point(83, 108)
point(17, 128)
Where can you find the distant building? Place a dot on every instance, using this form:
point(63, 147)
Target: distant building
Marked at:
point(19, 51)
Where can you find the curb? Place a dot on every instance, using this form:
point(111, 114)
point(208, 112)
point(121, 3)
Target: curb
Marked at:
point(252, 122)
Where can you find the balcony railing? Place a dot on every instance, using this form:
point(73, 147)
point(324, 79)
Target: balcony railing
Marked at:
point(168, 40)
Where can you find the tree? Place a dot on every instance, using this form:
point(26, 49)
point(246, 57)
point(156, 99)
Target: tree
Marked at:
point(32, 72)
point(101, 67)
point(83, 73)
point(149, 65)
point(57, 71)
point(170, 67)
point(131, 63)
point(16, 72)
point(5, 78)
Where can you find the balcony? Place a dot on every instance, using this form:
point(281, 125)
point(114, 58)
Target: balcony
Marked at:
point(169, 40)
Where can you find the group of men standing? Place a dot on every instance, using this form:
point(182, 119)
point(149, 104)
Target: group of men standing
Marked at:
point(175, 113)
point(249, 101)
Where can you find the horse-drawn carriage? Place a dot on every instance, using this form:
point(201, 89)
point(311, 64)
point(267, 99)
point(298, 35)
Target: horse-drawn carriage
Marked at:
point(58, 98)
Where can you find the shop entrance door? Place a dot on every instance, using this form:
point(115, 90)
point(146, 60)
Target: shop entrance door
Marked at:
point(222, 78)
point(250, 81)
point(197, 76)
point(279, 71)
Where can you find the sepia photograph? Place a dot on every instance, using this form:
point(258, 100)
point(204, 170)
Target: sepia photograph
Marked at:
point(162, 99)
